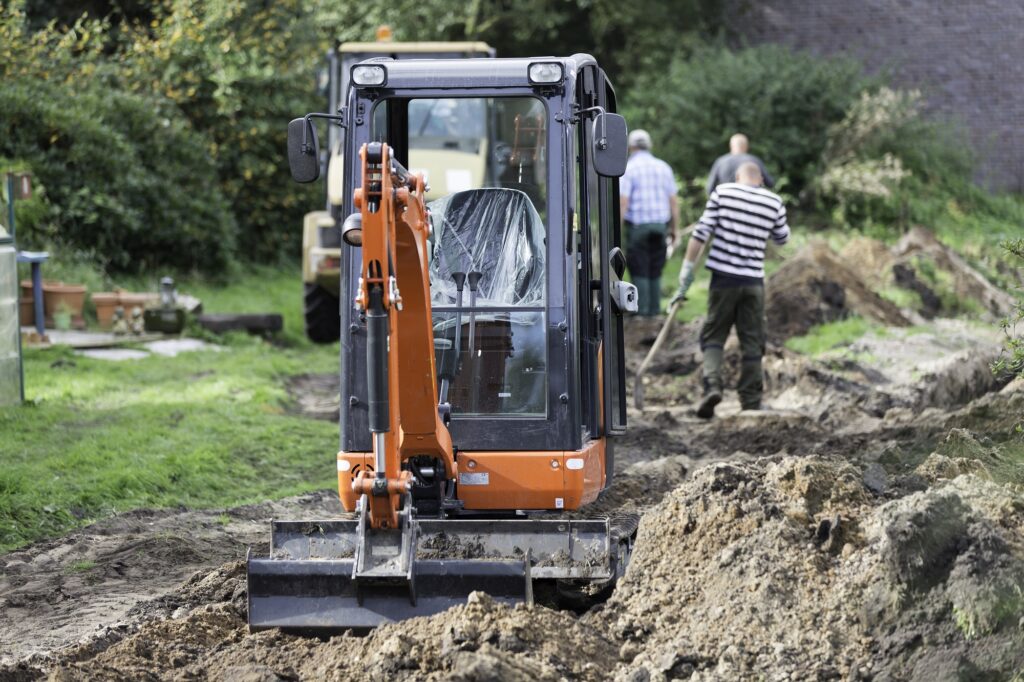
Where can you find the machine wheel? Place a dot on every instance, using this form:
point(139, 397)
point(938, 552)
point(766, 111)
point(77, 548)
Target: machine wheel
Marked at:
point(323, 319)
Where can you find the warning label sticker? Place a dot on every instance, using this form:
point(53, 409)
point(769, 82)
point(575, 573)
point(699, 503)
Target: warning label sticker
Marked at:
point(474, 478)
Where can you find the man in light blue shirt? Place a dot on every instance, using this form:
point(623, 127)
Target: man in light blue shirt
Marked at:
point(650, 211)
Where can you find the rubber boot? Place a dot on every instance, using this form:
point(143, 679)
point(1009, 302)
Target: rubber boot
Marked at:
point(654, 296)
point(712, 383)
point(751, 384)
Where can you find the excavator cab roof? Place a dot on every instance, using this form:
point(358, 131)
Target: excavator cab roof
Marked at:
point(480, 73)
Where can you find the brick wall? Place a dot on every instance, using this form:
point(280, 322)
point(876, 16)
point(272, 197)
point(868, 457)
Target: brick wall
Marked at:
point(966, 56)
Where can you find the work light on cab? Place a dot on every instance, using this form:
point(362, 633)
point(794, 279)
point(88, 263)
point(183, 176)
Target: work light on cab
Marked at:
point(545, 73)
point(369, 76)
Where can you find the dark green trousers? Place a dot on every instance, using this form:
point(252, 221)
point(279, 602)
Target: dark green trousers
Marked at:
point(744, 308)
point(645, 256)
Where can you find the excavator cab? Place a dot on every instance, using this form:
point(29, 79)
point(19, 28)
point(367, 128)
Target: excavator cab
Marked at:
point(482, 368)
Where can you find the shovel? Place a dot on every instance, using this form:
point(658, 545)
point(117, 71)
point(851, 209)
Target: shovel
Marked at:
point(638, 385)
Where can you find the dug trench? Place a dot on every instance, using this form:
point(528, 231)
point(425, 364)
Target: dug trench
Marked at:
point(868, 525)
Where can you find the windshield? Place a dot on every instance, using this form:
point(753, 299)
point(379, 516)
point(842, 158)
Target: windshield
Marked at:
point(484, 159)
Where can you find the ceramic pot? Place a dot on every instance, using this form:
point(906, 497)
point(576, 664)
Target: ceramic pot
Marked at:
point(106, 302)
point(27, 310)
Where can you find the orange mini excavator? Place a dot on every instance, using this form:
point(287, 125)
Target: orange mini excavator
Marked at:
point(482, 355)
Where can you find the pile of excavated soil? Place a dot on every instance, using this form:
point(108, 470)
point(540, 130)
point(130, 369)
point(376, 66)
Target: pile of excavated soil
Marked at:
point(814, 287)
point(481, 640)
point(966, 283)
point(792, 567)
point(780, 568)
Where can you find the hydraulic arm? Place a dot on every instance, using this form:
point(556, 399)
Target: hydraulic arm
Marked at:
point(394, 292)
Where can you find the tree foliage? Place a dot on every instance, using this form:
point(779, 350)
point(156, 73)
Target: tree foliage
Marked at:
point(193, 98)
point(238, 70)
point(784, 101)
point(127, 178)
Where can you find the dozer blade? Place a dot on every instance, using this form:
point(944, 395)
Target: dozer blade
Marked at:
point(310, 580)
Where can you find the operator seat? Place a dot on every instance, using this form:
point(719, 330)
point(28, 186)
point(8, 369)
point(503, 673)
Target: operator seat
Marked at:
point(494, 231)
point(497, 233)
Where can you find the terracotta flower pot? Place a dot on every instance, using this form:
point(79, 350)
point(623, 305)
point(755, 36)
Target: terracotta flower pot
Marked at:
point(61, 297)
point(27, 311)
point(106, 302)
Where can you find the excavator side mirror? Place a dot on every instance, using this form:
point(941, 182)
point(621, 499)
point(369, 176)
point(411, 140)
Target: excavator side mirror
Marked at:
point(610, 145)
point(303, 150)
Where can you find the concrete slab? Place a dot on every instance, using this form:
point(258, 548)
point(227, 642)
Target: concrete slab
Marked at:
point(113, 354)
point(172, 347)
point(80, 339)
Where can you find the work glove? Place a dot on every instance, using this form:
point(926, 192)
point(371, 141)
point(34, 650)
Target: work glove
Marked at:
point(685, 281)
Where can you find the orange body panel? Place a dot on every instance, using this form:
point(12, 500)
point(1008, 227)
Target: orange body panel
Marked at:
point(350, 465)
point(507, 480)
point(531, 480)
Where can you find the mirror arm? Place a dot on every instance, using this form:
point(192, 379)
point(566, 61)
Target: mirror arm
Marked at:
point(602, 140)
point(309, 124)
point(589, 110)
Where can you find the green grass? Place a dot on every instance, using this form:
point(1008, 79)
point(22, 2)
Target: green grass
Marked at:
point(825, 337)
point(82, 566)
point(207, 429)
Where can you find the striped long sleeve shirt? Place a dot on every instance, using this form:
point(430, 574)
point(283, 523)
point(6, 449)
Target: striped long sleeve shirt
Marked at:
point(741, 218)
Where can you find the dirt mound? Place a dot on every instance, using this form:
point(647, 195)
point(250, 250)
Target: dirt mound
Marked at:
point(721, 564)
point(779, 568)
point(787, 567)
point(939, 583)
point(481, 640)
point(814, 287)
point(870, 258)
point(927, 261)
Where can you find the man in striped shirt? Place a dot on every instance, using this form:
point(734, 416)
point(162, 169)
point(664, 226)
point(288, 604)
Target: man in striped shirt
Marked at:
point(650, 210)
point(741, 216)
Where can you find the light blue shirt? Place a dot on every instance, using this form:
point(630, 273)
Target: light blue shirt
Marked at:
point(648, 184)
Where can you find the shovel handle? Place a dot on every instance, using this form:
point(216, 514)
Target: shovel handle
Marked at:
point(638, 389)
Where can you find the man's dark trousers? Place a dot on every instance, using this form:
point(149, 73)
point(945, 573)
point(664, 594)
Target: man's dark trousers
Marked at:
point(742, 306)
point(645, 256)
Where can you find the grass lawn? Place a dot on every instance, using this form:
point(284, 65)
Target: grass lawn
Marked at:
point(205, 429)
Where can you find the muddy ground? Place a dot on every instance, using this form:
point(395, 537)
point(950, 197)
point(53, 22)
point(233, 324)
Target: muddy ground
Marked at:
point(868, 525)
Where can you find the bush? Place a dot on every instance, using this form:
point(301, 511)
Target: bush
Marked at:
point(123, 181)
point(239, 70)
point(120, 176)
point(1012, 361)
point(784, 101)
